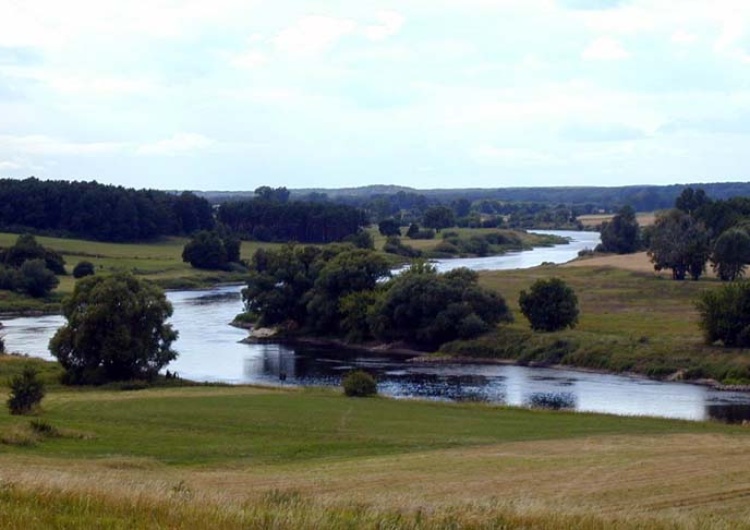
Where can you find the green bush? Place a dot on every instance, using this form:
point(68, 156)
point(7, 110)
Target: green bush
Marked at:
point(725, 315)
point(359, 384)
point(83, 268)
point(26, 391)
point(550, 305)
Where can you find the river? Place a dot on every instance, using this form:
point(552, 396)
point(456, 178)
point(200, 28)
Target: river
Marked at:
point(209, 350)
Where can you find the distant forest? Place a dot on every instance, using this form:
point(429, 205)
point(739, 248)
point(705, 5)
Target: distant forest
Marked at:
point(642, 198)
point(100, 212)
point(95, 211)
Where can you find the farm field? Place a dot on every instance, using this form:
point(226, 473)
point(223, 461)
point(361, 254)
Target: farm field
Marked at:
point(239, 457)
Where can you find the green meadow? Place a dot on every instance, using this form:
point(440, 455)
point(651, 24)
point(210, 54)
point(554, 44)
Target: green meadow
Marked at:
point(244, 457)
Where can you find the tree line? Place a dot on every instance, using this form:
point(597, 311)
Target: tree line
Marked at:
point(267, 218)
point(90, 210)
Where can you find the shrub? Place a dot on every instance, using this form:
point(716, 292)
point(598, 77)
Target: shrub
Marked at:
point(359, 384)
point(550, 305)
point(36, 279)
point(725, 315)
point(393, 245)
point(26, 391)
point(82, 269)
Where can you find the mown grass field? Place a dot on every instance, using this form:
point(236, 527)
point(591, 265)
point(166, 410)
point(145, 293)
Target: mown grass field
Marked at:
point(243, 457)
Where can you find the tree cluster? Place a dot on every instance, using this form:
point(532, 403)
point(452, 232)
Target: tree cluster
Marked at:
point(29, 268)
point(345, 292)
point(303, 222)
point(100, 212)
point(700, 229)
point(211, 250)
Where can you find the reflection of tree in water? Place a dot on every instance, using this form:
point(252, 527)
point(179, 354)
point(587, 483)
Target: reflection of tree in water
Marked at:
point(551, 400)
point(729, 413)
point(214, 298)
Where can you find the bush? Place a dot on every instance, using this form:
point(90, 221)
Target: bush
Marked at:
point(550, 305)
point(26, 391)
point(82, 269)
point(725, 315)
point(359, 384)
point(36, 279)
point(393, 245)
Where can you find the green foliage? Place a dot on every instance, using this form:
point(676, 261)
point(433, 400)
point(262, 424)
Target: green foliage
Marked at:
point(116, 331)
point(346, 273)
point(359, 384)
point(725, 315)
point(439, 217)
point(730, 254)
point(304, 222)
point(622, 234)
point(550, 305)
point(412, 231)
point(26, 391)
point(680, 243)
point(100, 212)
point(362, 239)
point(36, 279)
point(211, 250)
point(389, 227)
point(83, 269)
point(27, 248)
point(426, 309)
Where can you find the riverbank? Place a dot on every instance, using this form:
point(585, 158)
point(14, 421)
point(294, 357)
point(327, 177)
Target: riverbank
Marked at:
point(240, 457)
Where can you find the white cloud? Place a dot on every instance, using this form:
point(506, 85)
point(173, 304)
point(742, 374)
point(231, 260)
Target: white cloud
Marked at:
point(9, 165)
point(683, 37)
point(180, 143)
point(519, 156)
point(390, 23)
point(312, 35)
point(46, 145)
point(250, 59)
point(605, 49)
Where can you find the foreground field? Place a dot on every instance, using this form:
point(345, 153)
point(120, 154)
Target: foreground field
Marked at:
point(212, 457)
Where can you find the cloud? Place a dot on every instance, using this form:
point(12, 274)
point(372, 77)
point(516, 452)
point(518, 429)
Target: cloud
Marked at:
point(605, 49)
point(683, 37)
point(313, 35)
point(600, 133)
point(514, 156)
point(592, 4)
point(251, 59)
point(46, 145)
point(390, 23)
point(180, 143)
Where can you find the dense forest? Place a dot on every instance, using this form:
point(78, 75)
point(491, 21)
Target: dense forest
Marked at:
point(270, 219)
point(101, 212)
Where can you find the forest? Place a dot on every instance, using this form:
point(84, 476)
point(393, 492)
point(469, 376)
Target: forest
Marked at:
point(99, 212)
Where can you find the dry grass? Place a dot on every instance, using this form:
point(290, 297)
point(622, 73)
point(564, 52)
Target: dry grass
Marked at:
point(679, 479)
point(594, 220)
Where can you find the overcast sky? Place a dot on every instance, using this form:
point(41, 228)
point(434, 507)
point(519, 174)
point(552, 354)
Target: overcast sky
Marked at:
point(234, 94)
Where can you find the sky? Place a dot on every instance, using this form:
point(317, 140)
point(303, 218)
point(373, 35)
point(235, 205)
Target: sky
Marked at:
point(236, 94)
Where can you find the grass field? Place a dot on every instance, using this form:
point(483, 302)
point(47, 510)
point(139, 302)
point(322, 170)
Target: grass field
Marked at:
point(630, 320)
point(159, 261)
point(243, 457)
point(595, 220)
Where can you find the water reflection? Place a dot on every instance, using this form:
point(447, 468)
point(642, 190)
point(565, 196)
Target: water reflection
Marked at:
point(210, 350)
